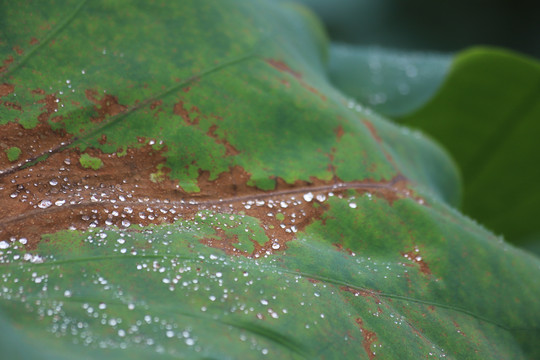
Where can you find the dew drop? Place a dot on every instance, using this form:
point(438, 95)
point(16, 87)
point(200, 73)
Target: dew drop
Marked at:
point(4, 245)
point(126, 223)
point(308, 197)
point(53, 182)
point(44, 204)
point(352, 205)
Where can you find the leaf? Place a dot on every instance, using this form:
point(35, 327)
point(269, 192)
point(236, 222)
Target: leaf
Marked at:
point(243, 207)
point(486, 114)
point(392, 82)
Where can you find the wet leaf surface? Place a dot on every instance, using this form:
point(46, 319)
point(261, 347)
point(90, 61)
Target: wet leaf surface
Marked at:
point(189, 185)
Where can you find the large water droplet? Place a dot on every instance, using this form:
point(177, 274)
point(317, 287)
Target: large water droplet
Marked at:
point(308, 197)
point(43, 204)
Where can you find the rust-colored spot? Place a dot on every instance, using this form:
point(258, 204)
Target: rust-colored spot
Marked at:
point(34, 41)
point(106, 106)
point(13, 105)
point(6, 89)
point(363, 293)
point(339, 132)
point(8, 61)
point(18, 50)
point(458, 329)
point(182, 112)
point(50, 105)
point(415, 256)
point(369, 337)
point(282, 66)
point(372, 130)
point(229, 149)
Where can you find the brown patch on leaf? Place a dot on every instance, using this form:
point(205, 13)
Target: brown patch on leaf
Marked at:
point(182, 112)
point(106, 106)
point(414, 256)
point(229, 149)
point(133, 187)
point(50, 106)
point(7, 62)
point(6, 89)
point(13, 105)
point(363, 293)
point(59, 193)
point(339, 132)
point(369, 337)
point(283, 67)
point(34, 41)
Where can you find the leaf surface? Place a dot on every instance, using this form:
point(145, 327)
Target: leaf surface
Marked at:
point(190, 185)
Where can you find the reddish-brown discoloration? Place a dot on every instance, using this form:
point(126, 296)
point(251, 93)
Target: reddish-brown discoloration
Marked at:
point(369, 337)
point(106, 106)
point(339, 132)
point(372, 130)
point(229, 149)
point(6, 89)
point(7, 62)
point(181, 111)
point(18, 50)
point(34, 41)
point(13, 105)
point(414, 256)
point(363, 293)
point(283, 67)
point(134, 188)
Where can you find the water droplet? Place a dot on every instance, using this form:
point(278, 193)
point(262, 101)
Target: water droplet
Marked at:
point(4, 244)
point(125, 223)
point(308, 197)
point(321, 197)
point(43, 204)
point(53, 182)
point(352, 205)
point(264, 302)
point(59, 202)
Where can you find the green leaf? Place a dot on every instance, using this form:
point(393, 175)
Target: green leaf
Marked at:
point(486, 114)
point(244, 207)
point(392, 82)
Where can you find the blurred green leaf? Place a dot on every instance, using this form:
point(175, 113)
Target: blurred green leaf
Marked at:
point(391, 82)
point(487, 115)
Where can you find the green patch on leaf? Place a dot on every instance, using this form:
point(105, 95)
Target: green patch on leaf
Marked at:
point(90, 162)
point(13, 153)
